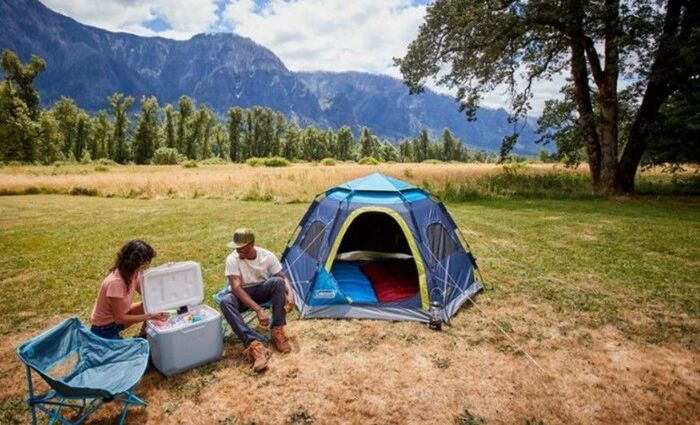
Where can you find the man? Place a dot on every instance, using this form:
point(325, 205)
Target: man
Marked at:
point(255, 277)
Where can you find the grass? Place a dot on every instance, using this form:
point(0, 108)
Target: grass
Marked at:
point(454, 182)
point(602, 292)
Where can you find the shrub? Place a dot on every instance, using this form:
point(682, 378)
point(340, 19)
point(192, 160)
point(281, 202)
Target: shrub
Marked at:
point(166, 156)
point(432, 161)
point(276, 161)
point(106, 161)
point(86, 158)
point(328, 161)
point(255, 162)
point(213, 161)
point(368, 160)
point(83, 191)
point(101, 168)
point(14, 164)
point(189, 163)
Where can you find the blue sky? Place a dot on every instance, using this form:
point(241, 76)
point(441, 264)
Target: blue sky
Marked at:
point(307, 35)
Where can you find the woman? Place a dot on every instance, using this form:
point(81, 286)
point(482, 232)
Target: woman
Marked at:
point(114, 311)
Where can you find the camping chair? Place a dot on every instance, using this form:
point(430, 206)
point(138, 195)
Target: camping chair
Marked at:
point(248, 316)
point(80, 366)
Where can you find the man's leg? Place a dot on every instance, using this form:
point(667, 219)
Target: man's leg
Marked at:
point(231, 307)
point(272, 289)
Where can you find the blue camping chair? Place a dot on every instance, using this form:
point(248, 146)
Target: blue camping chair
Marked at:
point(83, 370)
point(248, 316)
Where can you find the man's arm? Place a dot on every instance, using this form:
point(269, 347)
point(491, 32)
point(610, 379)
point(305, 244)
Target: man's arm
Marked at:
point(288, 289)
point(237, 290)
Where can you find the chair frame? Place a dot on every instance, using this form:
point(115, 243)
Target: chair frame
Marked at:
point(57, 401)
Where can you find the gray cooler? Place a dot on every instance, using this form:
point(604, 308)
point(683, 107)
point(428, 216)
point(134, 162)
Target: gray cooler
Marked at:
point(176, 350)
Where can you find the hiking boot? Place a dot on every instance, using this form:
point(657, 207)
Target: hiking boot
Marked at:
point(259, 354)
point(280, 340)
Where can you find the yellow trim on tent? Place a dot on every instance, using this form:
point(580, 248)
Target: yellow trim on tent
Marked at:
point(409, 238)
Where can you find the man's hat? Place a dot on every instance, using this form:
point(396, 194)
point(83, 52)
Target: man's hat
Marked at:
point(241, 238)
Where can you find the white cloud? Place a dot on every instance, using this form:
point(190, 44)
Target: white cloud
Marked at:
point(186, 17)
point(330, 35)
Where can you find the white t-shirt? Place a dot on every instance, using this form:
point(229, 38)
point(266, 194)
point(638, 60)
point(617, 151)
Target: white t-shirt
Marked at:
point(253, 272)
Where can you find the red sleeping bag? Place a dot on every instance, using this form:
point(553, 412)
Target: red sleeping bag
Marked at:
point(392, 280)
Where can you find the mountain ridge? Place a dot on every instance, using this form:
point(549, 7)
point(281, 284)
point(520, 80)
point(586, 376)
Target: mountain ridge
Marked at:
point(222, 70)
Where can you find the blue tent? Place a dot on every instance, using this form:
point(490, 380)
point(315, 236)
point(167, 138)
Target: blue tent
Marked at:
point(378, 248)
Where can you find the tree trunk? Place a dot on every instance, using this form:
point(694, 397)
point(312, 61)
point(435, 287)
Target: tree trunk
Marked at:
point(582, 96)
point(667, 72)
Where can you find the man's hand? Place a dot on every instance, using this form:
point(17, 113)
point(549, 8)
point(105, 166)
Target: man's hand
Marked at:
point(289, 304)
point(263, 318)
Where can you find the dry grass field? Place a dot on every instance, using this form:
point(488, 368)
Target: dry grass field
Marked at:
point(603, 293)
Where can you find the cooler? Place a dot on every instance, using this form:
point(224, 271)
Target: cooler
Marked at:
point(187, 345)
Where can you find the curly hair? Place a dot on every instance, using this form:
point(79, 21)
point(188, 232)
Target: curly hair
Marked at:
point(133, 255)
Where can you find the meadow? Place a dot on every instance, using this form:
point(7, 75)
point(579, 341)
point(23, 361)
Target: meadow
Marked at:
point(602, 292)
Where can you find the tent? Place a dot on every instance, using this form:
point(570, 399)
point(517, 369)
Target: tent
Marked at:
point(378, 248)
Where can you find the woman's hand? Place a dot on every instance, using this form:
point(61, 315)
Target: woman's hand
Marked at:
point(159, 315)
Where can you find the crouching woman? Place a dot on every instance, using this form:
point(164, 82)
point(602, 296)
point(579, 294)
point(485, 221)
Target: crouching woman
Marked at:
point(114, 310)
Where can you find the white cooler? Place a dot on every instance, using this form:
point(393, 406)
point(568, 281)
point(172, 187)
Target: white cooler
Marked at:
point(173, 286)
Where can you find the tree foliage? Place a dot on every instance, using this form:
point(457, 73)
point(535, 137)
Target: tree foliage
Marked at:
point(476, 46)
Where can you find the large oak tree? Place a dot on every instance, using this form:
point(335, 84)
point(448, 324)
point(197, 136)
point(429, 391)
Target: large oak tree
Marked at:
point(474, 46)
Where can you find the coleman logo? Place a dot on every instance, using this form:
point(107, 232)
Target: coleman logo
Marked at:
point(324, 294)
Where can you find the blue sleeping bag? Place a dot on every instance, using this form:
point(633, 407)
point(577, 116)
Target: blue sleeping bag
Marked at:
point(353, 283)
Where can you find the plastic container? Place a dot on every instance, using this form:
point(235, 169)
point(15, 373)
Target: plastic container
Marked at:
point(175, 350)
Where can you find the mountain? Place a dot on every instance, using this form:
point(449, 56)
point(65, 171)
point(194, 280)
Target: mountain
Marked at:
point(381, 102)
point(224, 70)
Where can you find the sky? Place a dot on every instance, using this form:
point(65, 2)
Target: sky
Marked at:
point(307, 35)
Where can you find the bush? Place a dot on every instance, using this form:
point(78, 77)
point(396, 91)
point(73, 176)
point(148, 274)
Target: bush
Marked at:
point(432, 161)
point(86, 158)
point(275, 161)
point(213, 161)
point(189, 163)
point(166, 156)
point(105, 161)
point(14, 164)
point(255, 162)
point(83, 191)
point(368, 160)
point(328, 161)
point(101, 168)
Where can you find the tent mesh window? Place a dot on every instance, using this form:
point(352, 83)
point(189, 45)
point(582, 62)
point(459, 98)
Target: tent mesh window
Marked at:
point(440, 242)
point(313, 240)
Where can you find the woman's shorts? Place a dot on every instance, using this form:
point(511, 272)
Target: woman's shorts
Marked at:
point(110, 331)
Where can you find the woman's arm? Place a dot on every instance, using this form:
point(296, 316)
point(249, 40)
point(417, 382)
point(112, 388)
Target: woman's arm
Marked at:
point(125, 318)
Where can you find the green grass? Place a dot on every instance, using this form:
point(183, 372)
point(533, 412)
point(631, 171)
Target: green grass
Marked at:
point(600, 261)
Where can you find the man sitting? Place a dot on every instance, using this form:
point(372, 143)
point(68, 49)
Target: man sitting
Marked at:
point(255, 277)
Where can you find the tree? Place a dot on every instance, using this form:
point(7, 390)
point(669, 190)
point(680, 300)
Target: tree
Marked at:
point(421, 146)
point(448, 145)
point(235, 119)
point(184, 115)
point(66, 113)
point(170, 136)
point(101, 137)
point(120, 106)
point(345, 143)
point(82, 134)
point(49, 142)
point(19, 107)
point(366, 145)
point(481, 44)
point(21, 77)
point(146, 137)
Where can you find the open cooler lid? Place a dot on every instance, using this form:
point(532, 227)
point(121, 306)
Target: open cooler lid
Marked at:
point(172, 286)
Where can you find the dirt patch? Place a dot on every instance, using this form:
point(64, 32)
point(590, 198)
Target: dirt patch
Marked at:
point(402, 373)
